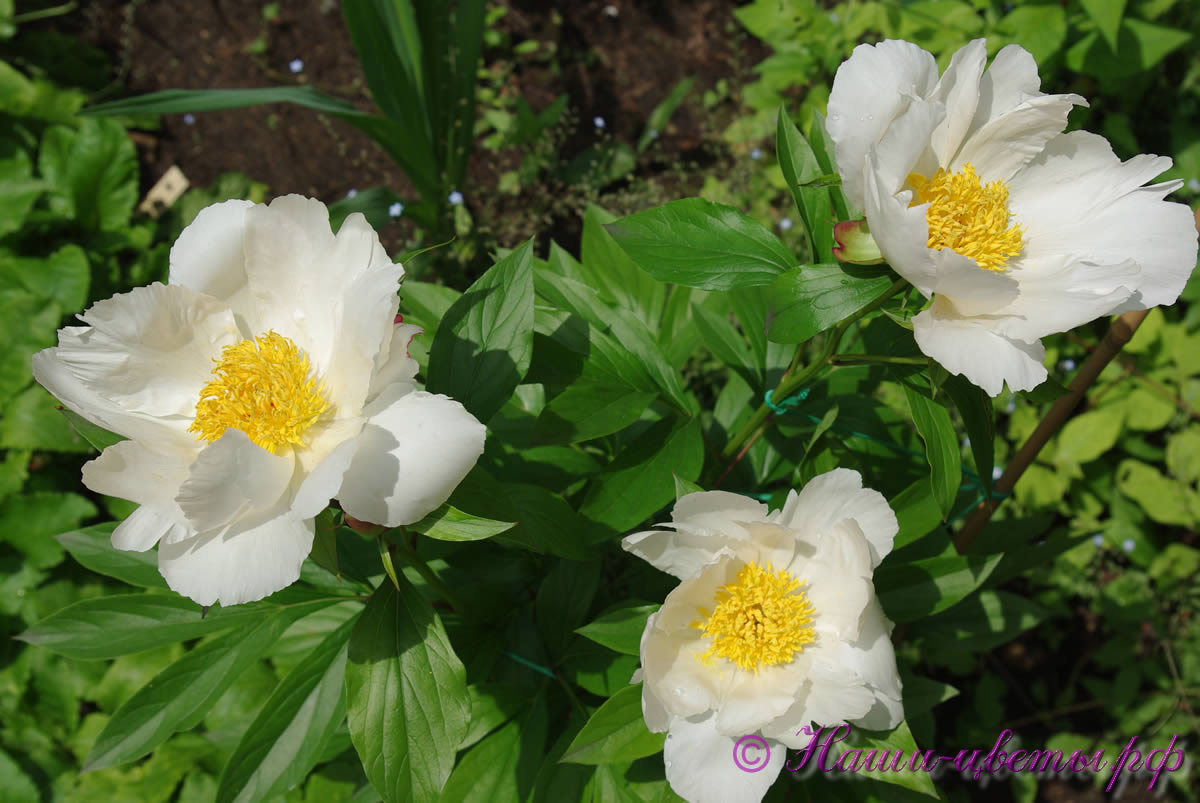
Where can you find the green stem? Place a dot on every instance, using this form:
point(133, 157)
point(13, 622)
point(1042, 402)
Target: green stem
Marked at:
point(791, 382)
point(43, 13)
point(427, 574)
point(870, 359)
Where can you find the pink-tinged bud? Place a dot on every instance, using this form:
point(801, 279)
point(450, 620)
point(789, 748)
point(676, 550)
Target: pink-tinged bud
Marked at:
point(364, 527)
point(855, 243)
point(399, 318)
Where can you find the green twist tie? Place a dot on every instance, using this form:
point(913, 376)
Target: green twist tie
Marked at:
point(788, 404)
point(531, 665)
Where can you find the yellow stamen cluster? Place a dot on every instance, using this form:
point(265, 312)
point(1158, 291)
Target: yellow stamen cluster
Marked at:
point(263, 388)
point(761, 619)
point(968, 217)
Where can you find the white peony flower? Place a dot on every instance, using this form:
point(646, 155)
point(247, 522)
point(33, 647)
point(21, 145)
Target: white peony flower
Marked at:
point(975, 196)
point(265, 379)
point(774, 626)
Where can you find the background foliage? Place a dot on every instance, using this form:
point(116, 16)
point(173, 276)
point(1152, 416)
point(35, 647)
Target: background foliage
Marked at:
point(608, 390)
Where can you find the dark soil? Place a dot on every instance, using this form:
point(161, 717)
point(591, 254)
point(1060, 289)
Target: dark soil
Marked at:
point(615, 60)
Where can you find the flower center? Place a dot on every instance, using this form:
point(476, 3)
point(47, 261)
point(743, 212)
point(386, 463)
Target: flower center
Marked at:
point(968, 217)
point(261, 387)
point(761, 619)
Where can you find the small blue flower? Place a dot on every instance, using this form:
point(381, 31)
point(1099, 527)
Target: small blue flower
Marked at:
point(997, 473)
point(455, 198)
point(756, 154)
point(189, 119)
point(396, 209)
point(1068, 364)
point(1011, 407)
point(1128, 545)
point(653, 133)
point(785, 224)
point(598, 121)
point(350, 193)
point(1098, 539)
point(296, 65)
point(1193, 184)
point(967, 442)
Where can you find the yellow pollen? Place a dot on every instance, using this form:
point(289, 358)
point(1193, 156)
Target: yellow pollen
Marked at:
point(968, 217)
point(761, 619)
point(261, 387)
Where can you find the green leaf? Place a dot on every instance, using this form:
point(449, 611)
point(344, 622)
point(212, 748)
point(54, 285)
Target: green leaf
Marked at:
point(702, 244)
point(92, 547)
point(1141, 46)
point(93, 169)
point(1089, 435)
point(587, 410)
point(30, 521)
point(857, 748)
point(916, 511)
point(661, 114)
point(800, 167)
point(485, 341)
point(642, 478)
point(397, 138)
point(725, 342)
point(106, 627)
point(492, 704)
point(324, 549)
point(32, 421)
point(922, 588)
point(99, 438)
point(563, 600)
point(406, 695)
point(813, 298)
point(620, 630)
point(615, 733)
point(503, 766)
point(18, 191)
point(179, 696)
point(289, 735)
point(1107, 16)
point(975, 407)
point(684, 487)
point(15, 785)
point(981, 622)
point(1163, 499)
point(1041, 30)
point(941, 447)
point(609, 269)
point(450, 524)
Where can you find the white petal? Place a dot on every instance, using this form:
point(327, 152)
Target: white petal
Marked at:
point(974, 290)
point(837, 580)
point(838, 495)
point(1010, 80)
point(1058, 295)
point(837, 695)
point(710, 523)
point(1078, 199)
point(396, 365)
point(133, 470)
point(700, 764)
point(143, 528)
point(235, 568)
point(324, 465)
point(958, 90)
point(208, 255)
point(415, 449)
point(968, 347)
point(872, 88)
point(871, 656)
point(753, 700)
point(52, 374)
point(232, 477)
point(1003, 146)
point(885, 714)
point(150, 350)
point(718, 510)
point(657, 718)
point(900, 230)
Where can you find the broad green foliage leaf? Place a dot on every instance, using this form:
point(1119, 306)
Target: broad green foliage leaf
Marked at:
point(324, 550)
point(642, 478)
point(288, 737)
point(92, 547)
point(18, 191)
point(620, 630)
point(684, 487)
point(616, 732)
point(426, 304)
point(1175, 566)
point(27, 325)
point(1039, 29)
point(861, 746)
point(492, 704)
point(15, 785)
point(726, 343)
point(406, 695)
point(450, 524)
point(1140, 47)
point(607, 268)
point(33, 421)
point(504, 765)
point(800, 167)
point(812, 298)
point(106, 627)
point(563, 600)
point(1107, 16)
point(924, 587)
point(702, 244)
point(485, 341)
point(1089, 435)
point(975, 407)
point(1164, 500)
point(93, 171)
point(179, 696)
point(63, 277)
point(591, 410)
point(1183, 454)
point(980, 622)
point(941, 447)
point(29, 523)
point(99, 439)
